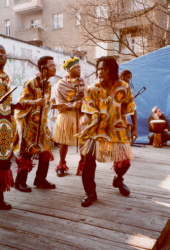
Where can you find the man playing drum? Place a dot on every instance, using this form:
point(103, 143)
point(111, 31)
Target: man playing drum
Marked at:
point(158, 124)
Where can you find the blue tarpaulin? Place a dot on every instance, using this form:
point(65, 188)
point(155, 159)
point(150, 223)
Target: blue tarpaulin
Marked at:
point(153, 72)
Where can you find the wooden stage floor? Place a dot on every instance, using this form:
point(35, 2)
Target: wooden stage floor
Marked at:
point(54, 219)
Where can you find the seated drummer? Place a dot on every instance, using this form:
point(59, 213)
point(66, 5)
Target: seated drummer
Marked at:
point(157, 114)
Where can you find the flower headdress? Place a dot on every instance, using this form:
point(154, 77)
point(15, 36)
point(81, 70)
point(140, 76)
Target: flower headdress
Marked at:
point(70, 63)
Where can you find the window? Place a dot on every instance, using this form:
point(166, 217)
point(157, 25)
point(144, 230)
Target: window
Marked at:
point(138, 5)
point(35, 23)
point(137, 44)
point(116, 36)
point(57, 21)
point(7, 27)
point(101, 49)
point(102, 12)
point(6, 3)
point(78, 18)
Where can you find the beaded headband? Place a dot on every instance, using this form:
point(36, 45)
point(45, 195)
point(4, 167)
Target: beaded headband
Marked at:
point(70, 63)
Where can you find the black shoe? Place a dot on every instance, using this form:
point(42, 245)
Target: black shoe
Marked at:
point(118, 183)
point(45, 184)
point(5, 206)
point(23, 188)
point(60, 172)
point(89, 199)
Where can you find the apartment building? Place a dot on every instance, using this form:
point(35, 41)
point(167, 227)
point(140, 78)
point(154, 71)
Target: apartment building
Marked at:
point(89, 29)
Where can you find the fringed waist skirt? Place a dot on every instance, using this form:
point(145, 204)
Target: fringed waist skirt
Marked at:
point(106, 151)
point(65, 128)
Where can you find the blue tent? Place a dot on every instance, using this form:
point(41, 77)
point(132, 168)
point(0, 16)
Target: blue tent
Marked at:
point(153, 72)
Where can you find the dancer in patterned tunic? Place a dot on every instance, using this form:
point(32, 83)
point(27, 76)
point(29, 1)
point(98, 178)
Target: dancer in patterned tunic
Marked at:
point(106, 105)
point(69, 94)
point(32, 134)
point(6, 133)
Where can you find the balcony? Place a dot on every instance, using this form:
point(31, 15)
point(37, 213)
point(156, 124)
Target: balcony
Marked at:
point(32, 35)
point(27, 6)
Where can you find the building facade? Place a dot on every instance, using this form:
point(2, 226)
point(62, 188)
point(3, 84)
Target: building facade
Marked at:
point(89, 28)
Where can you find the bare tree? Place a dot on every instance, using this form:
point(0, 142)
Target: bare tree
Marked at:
point(128, 27)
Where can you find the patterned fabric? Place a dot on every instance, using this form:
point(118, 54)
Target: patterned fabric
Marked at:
point(6, 131)
point(27, 121)
point(66, 126)
point(67, 91)
point(109, 125)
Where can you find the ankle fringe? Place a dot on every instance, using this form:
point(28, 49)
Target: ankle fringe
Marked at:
point(62, 165)
point(24, 164)
point(48, 156)
point(6, 180)
point(80, 167)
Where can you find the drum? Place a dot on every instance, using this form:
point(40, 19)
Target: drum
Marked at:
point(158, 127)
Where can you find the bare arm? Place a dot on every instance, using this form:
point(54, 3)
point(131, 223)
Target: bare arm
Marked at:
point(134, 133)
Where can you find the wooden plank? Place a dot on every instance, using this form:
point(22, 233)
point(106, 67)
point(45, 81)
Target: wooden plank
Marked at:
point(78, 233)
point(18, 239)
point(112, 211)
point(55, 218)
point(92, 220)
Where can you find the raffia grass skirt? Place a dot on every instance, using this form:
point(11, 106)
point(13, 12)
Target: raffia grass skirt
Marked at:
point(106, 151)
point(65, 128)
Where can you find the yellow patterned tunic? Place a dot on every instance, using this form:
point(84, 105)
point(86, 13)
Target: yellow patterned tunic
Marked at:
point(27, 121)
point(109, 125)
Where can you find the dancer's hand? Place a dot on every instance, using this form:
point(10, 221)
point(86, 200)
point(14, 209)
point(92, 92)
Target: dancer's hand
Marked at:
point(85, 120)
point(77, 105)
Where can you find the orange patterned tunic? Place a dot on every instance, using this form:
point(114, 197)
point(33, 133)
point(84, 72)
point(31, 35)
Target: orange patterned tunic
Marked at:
point(27, 121)
point(109, 125)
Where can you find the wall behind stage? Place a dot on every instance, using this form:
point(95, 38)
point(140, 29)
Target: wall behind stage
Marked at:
point(153, 72)
point(22, 62)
